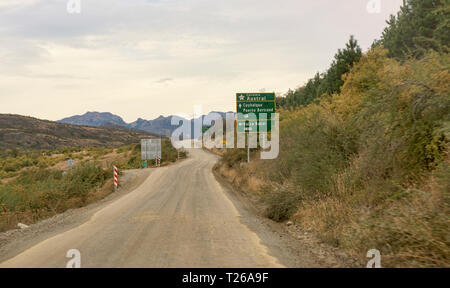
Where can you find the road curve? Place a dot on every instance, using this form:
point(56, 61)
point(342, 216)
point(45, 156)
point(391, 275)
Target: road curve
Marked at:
point(179, 217)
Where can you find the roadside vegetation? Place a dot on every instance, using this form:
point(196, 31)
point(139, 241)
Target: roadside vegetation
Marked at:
point(37, 184)
point(133, 159)
point(39, 193)
point(366, 165)
point(13, 161)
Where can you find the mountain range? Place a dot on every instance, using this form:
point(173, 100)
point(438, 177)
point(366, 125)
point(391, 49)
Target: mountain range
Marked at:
point(90, 129)
point(160, 126)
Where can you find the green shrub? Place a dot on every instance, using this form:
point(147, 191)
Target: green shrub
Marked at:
point(28, 190)
point(80, 180)
point(359, 167)
point(126, 148)
point(169, 153)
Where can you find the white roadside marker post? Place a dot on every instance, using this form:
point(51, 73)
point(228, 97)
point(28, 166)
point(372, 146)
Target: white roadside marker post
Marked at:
point(116, 178)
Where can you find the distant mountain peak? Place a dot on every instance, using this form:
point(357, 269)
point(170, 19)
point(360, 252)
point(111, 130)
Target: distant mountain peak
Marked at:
point(93, 118)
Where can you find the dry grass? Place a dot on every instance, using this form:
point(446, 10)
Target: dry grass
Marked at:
point(49, 201)
point(411, 229)
point(29, 197)
point(10, 219)
point(244, 176)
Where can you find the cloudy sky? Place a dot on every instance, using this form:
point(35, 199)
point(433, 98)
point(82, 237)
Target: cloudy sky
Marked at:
point(144, 58)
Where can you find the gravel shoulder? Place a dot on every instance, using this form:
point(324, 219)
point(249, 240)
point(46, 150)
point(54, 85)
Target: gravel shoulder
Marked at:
point(15, 241)
point(286, 241)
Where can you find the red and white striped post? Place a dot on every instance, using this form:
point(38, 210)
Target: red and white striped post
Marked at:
point(116, 178)
point(159, 161)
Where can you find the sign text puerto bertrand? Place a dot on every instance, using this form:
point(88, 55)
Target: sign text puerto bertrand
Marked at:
point(254, 112)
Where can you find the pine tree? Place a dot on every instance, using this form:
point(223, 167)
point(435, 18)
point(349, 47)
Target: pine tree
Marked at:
point(420, 25)
point(342, 63)
point(329, 82)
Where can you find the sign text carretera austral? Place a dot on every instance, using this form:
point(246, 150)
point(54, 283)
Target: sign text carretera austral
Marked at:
point(255, 111)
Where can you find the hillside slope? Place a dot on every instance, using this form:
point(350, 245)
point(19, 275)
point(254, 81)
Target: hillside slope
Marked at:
point(18, 131)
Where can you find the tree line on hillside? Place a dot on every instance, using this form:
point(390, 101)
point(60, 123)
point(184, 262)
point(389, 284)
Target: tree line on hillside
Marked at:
point(420, 25)
point(326, 83)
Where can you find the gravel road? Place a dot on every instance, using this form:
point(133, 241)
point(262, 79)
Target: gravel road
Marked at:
point(174, 216)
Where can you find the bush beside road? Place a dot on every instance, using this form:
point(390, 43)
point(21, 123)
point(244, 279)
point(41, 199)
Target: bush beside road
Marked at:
point(37, 184)
point(365, 168)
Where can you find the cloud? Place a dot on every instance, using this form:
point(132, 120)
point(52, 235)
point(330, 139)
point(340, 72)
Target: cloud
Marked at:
point(164, 80)
point(107, 57)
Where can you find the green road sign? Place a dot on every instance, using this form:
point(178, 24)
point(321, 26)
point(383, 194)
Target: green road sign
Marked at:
point(261, 126)
point(255, 107)
point(205, 128)
point(255, 97)
point(254, 112)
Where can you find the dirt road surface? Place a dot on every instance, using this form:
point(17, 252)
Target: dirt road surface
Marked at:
point(180, 216)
